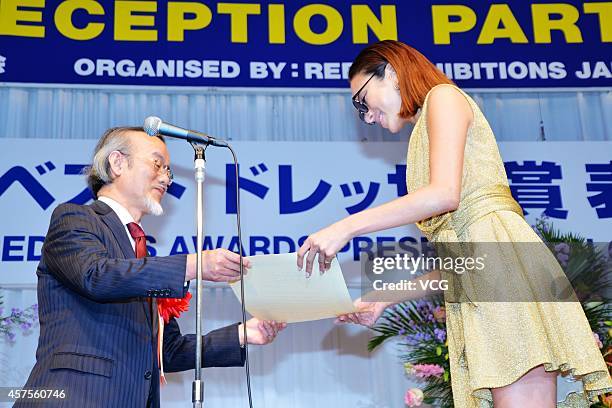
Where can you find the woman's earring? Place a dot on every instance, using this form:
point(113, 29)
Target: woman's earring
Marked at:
point(396, 86)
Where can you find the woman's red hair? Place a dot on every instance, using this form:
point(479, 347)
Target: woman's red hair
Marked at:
point(416, 75)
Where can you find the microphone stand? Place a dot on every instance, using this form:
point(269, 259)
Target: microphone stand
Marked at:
point(154, 126)
point(200, 167)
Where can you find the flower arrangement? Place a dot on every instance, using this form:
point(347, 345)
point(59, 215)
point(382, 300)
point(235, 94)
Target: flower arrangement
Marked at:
point(18, 319)
point(420, 325)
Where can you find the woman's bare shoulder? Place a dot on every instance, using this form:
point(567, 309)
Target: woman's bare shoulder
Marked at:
point(445, 99)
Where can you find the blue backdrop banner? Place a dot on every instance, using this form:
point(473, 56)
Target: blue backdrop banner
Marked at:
point(288, 191)
point(300, 43)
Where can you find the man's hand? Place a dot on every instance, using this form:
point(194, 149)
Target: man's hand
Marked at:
point(218, 265)
point(260, 331)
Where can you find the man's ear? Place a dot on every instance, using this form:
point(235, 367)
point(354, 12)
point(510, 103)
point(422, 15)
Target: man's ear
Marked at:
point(117, 164)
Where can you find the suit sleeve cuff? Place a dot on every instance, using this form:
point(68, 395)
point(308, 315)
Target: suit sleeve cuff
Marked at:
point(227, 343)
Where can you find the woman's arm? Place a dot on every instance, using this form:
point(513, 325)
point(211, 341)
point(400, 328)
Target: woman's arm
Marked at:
point(448, 119)
point(449, 116)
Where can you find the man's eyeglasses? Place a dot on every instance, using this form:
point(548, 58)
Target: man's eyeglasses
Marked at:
point(160, 168)
point(359, 104)
point(163, 170)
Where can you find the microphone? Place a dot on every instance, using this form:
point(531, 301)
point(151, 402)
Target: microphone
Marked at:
point(153, 126)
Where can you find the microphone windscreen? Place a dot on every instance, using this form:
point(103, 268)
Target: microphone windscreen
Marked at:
point(151, 125)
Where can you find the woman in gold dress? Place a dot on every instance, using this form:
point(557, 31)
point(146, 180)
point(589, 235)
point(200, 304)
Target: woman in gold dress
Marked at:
point(502, 354)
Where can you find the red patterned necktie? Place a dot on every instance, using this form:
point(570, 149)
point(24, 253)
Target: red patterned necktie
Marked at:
point(139, 239)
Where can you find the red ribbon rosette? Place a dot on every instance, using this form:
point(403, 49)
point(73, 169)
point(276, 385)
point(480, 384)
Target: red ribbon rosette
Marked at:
point(169, 308)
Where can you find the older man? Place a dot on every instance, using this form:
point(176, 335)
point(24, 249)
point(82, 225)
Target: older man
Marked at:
point(97, 289)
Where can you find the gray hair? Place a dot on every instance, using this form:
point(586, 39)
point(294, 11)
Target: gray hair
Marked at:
point(114, 139)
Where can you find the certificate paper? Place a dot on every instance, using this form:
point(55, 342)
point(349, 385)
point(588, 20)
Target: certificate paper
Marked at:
point(274, 289)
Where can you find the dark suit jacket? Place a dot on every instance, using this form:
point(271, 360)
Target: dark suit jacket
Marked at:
point(97, 336)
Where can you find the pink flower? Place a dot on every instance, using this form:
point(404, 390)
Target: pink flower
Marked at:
point(427, 370)
point(440, 313)
point(413, 397)
point(597, 341)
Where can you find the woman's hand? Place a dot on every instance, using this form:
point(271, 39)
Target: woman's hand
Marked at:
point(325, 243)
point(367, 315)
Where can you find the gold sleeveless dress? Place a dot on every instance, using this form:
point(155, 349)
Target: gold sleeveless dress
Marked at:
point(492, 344)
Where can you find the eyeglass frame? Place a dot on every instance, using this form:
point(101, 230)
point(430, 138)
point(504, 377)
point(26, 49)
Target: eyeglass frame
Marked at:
point(361, 106)
point(160, 169)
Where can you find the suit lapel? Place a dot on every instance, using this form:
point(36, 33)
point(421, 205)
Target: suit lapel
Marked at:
point(113, 222)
